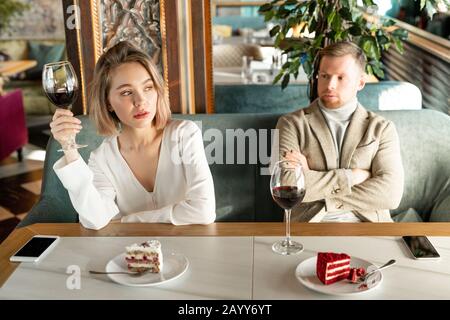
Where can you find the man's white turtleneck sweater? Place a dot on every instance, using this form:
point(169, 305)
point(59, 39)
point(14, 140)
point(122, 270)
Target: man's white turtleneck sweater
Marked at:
point(337, 121)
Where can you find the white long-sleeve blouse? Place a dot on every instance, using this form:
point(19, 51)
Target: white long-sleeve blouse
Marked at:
point(107, 189)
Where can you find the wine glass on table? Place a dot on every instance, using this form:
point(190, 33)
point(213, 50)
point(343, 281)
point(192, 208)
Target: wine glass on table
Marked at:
point(287, 185)
point(60, 84)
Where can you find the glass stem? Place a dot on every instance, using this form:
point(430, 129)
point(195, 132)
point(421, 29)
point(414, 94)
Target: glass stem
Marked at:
point(287, 213)
point(69, 144)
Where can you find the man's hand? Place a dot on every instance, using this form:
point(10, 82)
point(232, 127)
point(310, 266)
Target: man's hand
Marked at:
point(296, 156)
point(359, 176)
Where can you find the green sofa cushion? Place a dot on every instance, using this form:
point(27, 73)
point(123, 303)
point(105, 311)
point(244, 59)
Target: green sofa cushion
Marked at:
point(43, 54)
point(240, 22)
point(268, 98)
point(242, 193)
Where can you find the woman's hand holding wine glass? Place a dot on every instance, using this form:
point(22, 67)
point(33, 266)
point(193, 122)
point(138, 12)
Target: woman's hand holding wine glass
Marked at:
point(65, 127)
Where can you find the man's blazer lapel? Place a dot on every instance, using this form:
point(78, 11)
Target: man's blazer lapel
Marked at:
point(320, 128)
point(353, 135)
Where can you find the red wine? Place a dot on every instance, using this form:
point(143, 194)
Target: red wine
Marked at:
point(62, 98)
point(287, 197)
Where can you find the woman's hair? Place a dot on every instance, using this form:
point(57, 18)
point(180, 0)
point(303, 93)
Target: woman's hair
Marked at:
point(106, 121)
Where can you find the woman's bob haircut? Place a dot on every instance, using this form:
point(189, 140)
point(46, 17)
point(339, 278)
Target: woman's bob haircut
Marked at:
point(106, 121)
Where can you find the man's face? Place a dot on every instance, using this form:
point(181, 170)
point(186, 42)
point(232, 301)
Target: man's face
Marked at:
point(339, 79)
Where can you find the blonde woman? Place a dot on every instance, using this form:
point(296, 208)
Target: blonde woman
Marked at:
point(149, 168)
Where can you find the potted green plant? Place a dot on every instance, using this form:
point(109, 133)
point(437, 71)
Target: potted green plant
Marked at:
point(330, 21)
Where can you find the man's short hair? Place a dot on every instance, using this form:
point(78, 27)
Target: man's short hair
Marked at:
point(343, 48)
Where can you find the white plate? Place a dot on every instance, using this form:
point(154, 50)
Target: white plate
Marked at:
point(174, 265)
point(306, 274)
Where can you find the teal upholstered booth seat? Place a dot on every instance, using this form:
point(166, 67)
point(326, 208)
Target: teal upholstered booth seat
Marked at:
point(242, 193)
point(240, 22)
point(268, 98)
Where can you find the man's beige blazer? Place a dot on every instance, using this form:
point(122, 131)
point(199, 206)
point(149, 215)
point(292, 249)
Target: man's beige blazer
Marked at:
point(371, 143)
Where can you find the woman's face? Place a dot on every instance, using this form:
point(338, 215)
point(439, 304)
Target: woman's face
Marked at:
point(132, 95)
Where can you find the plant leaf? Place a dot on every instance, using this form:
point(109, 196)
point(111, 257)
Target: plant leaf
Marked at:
point(285, 81)
point(422, 4)
point(388, 23)
point(265, 7)
point(274, 31)
point(382, 39)
point(377, 68)
point(355, 30)
point(400, 33)
point(346, 14)
point(345, 3)
point(368, 3)
point(268, 15)
point(398, 45)
point(307, 67)
point(278, 77)
point(330, 17)
point(312, 7)
point(337, 24)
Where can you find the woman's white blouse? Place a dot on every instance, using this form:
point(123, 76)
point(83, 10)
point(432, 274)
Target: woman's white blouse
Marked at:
point(107, 189)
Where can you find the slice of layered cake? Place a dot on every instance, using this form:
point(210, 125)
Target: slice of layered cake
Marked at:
point(146, 256)
point(332, 267)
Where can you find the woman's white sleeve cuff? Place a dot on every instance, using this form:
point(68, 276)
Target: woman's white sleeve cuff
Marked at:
point(74, 175)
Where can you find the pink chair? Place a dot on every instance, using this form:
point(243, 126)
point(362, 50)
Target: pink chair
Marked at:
point(13, 129)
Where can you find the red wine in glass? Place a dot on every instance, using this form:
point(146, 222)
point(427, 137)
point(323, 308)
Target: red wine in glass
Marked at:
point(60, 84)
point(288, 196)
point(63, 97)
point(287, 186)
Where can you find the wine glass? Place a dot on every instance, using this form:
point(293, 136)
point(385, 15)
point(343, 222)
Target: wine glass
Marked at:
point(287, 185)
point(60, 84)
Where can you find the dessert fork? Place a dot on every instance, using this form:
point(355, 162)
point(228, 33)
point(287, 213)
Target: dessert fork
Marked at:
point(364, 278)
point(133, 274)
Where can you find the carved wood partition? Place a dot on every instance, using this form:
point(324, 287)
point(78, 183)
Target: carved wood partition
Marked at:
point(151, 24)
point(202, 55)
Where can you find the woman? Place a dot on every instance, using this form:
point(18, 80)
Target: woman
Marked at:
point(149, 168)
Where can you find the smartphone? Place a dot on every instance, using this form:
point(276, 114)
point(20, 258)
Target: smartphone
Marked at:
point(35, 249)
point(420, 247)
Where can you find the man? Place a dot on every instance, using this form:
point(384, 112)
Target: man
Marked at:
point(350, 156)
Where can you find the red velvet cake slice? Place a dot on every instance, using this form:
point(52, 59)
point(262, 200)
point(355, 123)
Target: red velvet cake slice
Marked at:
point(332, 267)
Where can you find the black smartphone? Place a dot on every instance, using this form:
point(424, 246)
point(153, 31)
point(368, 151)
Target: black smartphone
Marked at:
point(420, 247)
point(35, 249)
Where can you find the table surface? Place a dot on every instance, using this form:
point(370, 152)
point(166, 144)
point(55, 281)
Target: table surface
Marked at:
point(9, 68)
point(227, 260)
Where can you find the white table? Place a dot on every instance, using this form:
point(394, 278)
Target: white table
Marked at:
point(407, 279)
point(230, 268)
point(220, 268)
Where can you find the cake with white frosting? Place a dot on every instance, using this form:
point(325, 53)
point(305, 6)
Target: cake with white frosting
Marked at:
point(146, 256)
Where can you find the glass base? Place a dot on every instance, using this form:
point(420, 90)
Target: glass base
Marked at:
point(287, 248)
point(73, 146)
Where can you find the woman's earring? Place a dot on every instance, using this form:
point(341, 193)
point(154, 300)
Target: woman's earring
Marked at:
point(119, 127)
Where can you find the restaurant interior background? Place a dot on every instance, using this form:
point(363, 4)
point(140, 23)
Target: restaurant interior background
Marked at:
point(217, 57)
